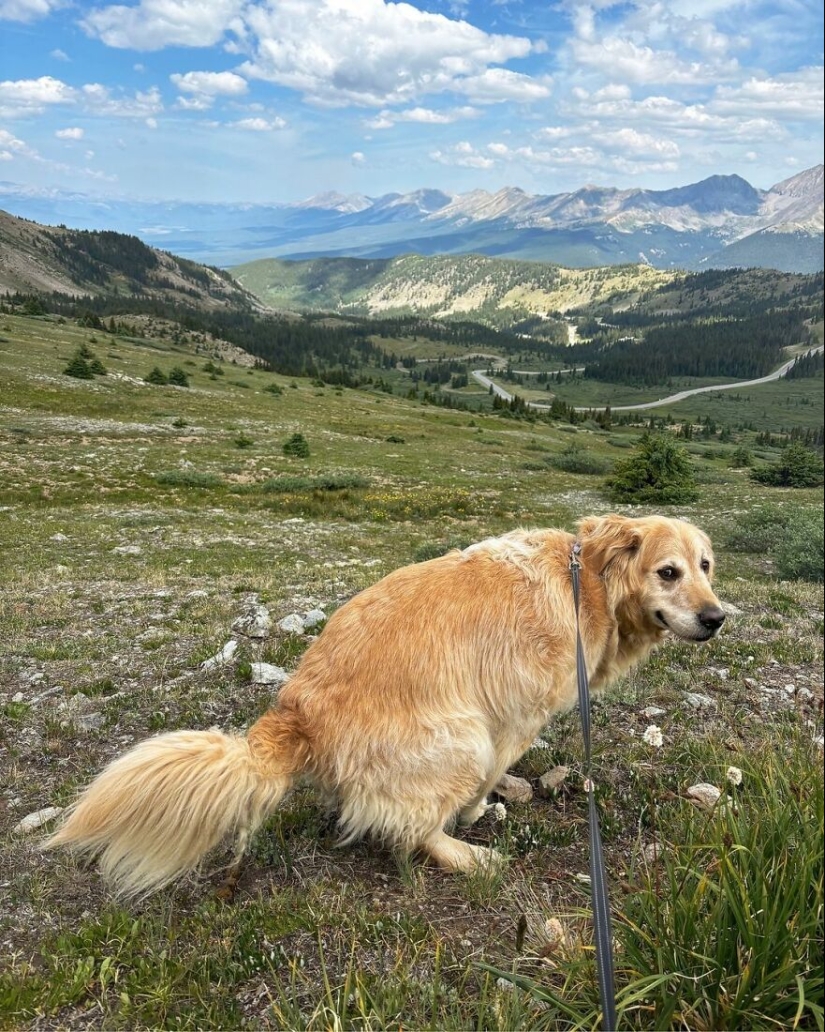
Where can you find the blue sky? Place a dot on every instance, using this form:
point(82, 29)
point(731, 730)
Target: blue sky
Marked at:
point(274, 100)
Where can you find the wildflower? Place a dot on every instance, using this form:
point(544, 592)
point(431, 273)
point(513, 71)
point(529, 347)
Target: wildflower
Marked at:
point(653, 736)
point(734, 776)
point(500, 812)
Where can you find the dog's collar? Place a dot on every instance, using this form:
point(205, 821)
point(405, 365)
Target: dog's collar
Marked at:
point(575, 553)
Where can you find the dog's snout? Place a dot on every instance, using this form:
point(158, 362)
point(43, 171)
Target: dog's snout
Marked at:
point(712, 618)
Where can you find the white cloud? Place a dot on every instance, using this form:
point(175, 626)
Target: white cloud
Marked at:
point(375, 54)
point(100, 100)
point(494, 85)
point(358, 158)
point(27, 10)
point(73, 133)
point(632, 143)
point(791, 96)
point(155, 24)
point(20, 97)
point(259, 125)
point(59, 55)
point(12, 147)
point(464, 155)
point(386, 119)
point(203, 87)
point(642, 65)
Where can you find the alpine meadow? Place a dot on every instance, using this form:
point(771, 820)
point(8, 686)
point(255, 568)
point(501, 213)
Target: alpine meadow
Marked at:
point(199, 469)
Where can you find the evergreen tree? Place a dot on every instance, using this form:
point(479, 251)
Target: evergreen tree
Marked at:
point(795, 467)
point(661, 473)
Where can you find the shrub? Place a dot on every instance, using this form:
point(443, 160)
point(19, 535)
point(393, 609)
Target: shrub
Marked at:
point(741, 457)
point(800, 551)
point(575, 459)
point(395, 439)
point(327, 482)
point(758, 530)
point(178, 377)
point(188, 478)
point(660, 473)
point(797, 466)
point(157, 377)
point(243, 441)
point(79, 368)
point(274, 388)
point(297, 446)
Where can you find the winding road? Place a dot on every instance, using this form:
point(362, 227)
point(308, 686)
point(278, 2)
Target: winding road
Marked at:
point(480, 376)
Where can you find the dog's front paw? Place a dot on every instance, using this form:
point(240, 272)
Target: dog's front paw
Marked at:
point(472, 814)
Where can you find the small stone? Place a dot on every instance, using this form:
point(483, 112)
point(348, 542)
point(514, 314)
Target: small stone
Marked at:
point(268, 673)
point(89, 721)
point(127, 549)
point(255, 623)
point(652, 712)
point(551, 782)
point(729, 609)
point(703, 795)
point(292, 624)
point(58, 537)
point(696, 700)
point(653, 852)
point(313, 618)
point(18, 697)
point(221, 658)
point(37, 819)
point(513, 789)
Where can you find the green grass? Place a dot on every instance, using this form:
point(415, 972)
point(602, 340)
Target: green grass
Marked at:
point(133, 530)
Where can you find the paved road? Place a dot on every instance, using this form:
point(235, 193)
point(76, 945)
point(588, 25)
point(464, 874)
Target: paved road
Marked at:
point(479, 375)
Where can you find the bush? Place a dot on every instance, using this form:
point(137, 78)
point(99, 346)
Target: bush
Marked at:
point(758, 530)
point(178, 377)
point(575, 459)
point(79, 368)
point(274, 388)
point(800, 552)
point(243, 441)
point(157, 377)
point(741, 457)
point(297, 446)
point(660, 473)
point(797, 466)
point(188, 478)
point(327, 482)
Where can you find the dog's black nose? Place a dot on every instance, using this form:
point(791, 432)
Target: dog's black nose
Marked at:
point(712, 618)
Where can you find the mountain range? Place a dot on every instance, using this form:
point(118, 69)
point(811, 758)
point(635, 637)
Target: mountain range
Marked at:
point(720, 222)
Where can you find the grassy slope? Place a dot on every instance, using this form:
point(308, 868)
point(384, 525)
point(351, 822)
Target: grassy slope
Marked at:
point(116, 586)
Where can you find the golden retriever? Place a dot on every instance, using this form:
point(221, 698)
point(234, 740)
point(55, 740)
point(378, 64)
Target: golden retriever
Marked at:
point(409, 707)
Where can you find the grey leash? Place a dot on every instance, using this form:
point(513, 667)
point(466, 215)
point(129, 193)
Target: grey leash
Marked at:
point(598, 881)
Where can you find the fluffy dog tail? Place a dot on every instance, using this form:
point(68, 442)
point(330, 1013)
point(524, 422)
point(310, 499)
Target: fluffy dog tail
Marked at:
point(154, 813)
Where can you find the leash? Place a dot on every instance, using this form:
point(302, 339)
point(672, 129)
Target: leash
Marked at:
point(598, 880)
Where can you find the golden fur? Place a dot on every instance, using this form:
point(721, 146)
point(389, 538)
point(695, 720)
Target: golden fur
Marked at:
point(413, 702)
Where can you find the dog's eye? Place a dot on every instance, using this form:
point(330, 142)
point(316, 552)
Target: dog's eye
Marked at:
point(668, 573)
point(705, 565)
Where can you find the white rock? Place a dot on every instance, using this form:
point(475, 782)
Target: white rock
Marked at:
point(653, 711)
point(730, 609)
point(703, 795)
point(221, 658)
point(58, 537)
point(37, 820)
point(268, 673)
point(255, 623)
point(653, 852)
point(313, 618)
point(292, 624)
point(698, 701)
point(127, 549)
point(18, 697)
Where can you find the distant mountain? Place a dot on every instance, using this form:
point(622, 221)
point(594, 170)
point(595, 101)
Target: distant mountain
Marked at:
point(49, 259)
point(690, 227)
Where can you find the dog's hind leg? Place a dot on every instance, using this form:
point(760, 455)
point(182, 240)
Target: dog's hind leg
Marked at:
point(455, 855)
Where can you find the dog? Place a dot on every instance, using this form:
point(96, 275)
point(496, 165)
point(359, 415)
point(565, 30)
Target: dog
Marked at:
point(412, 703)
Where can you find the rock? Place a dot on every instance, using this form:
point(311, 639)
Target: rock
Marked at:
point(18, 697)
point(729, 609)
point(513, 789)
point(268, 673)
point(221, 658)
point(313, 618)
point(292, 624)
point(703, 795)
point(58, 537)
point(254, 623)
point(89, 721)
point(551, 782)
point(75, 704)
point(127, 549)
point(653, 711)
point(698, 701)
point(37, 819)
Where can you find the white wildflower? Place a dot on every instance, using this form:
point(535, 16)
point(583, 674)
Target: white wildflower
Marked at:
point(653, 736)
point(500, 812)
point(734, 775)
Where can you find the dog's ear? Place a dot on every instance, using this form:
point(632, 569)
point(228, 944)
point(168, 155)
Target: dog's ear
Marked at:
point(604, 539)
